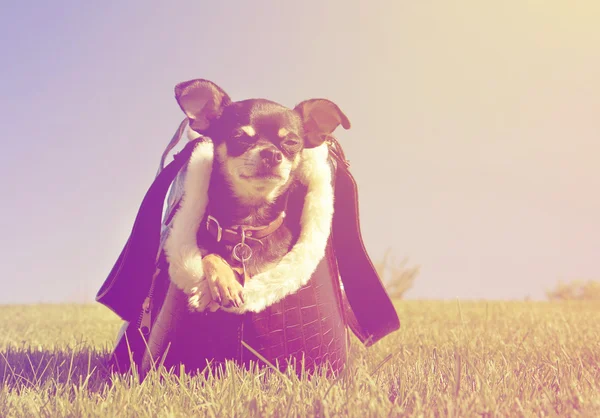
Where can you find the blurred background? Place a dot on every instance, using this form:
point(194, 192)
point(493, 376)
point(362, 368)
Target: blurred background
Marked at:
point(475, 137)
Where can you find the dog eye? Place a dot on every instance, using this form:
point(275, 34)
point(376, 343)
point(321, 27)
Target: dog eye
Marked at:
point(291, 143)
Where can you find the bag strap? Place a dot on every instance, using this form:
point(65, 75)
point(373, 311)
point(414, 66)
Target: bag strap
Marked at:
point(172, 144)
point(146, 319)
point(370, 303)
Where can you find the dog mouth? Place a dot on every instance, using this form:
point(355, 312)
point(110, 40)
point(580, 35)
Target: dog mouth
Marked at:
point(262, 176)
point(264, 173)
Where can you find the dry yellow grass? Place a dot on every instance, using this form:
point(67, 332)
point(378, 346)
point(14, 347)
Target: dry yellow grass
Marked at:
point(449, 359)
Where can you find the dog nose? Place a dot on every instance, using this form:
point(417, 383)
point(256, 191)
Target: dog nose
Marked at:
point(272, 156)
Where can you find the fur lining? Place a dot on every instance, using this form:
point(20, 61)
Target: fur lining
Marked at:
point(181, 249)
point(286, 277)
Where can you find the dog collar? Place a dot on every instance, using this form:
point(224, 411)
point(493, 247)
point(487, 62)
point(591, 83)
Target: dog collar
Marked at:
point(239, 233)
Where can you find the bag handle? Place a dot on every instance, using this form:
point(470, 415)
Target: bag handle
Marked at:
point(172, 144)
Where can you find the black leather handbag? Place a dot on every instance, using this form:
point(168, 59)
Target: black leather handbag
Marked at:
point(308, 328)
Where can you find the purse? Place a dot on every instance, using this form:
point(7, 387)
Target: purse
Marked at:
point(308, 328)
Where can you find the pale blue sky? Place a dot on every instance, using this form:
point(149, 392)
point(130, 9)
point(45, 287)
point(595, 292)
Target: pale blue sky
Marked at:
point(475, 137)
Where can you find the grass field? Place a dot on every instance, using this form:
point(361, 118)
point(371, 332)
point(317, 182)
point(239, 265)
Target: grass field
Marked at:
point(449, 359)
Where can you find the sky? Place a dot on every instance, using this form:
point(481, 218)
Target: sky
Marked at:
point(475, 136)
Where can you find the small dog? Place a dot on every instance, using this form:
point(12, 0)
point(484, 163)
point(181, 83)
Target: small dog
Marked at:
point(258, 147)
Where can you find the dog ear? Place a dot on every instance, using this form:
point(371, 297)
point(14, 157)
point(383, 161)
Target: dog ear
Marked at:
point(320, 118)
point(202, 101)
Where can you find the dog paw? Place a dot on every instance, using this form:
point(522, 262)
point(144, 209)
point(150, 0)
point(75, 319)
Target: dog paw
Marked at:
point(199, 298)
point(223, 284)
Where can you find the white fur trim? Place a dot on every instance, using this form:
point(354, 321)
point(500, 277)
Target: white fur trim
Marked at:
point(285, 278)
point(182, 252)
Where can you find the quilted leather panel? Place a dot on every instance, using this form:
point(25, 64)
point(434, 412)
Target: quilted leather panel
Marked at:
point(309, 324)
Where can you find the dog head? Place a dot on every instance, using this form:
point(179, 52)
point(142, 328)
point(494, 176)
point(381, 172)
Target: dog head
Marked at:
point(258, 143)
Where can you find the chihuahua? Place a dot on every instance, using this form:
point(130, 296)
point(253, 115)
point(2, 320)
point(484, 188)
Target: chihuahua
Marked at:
point(251, 219)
